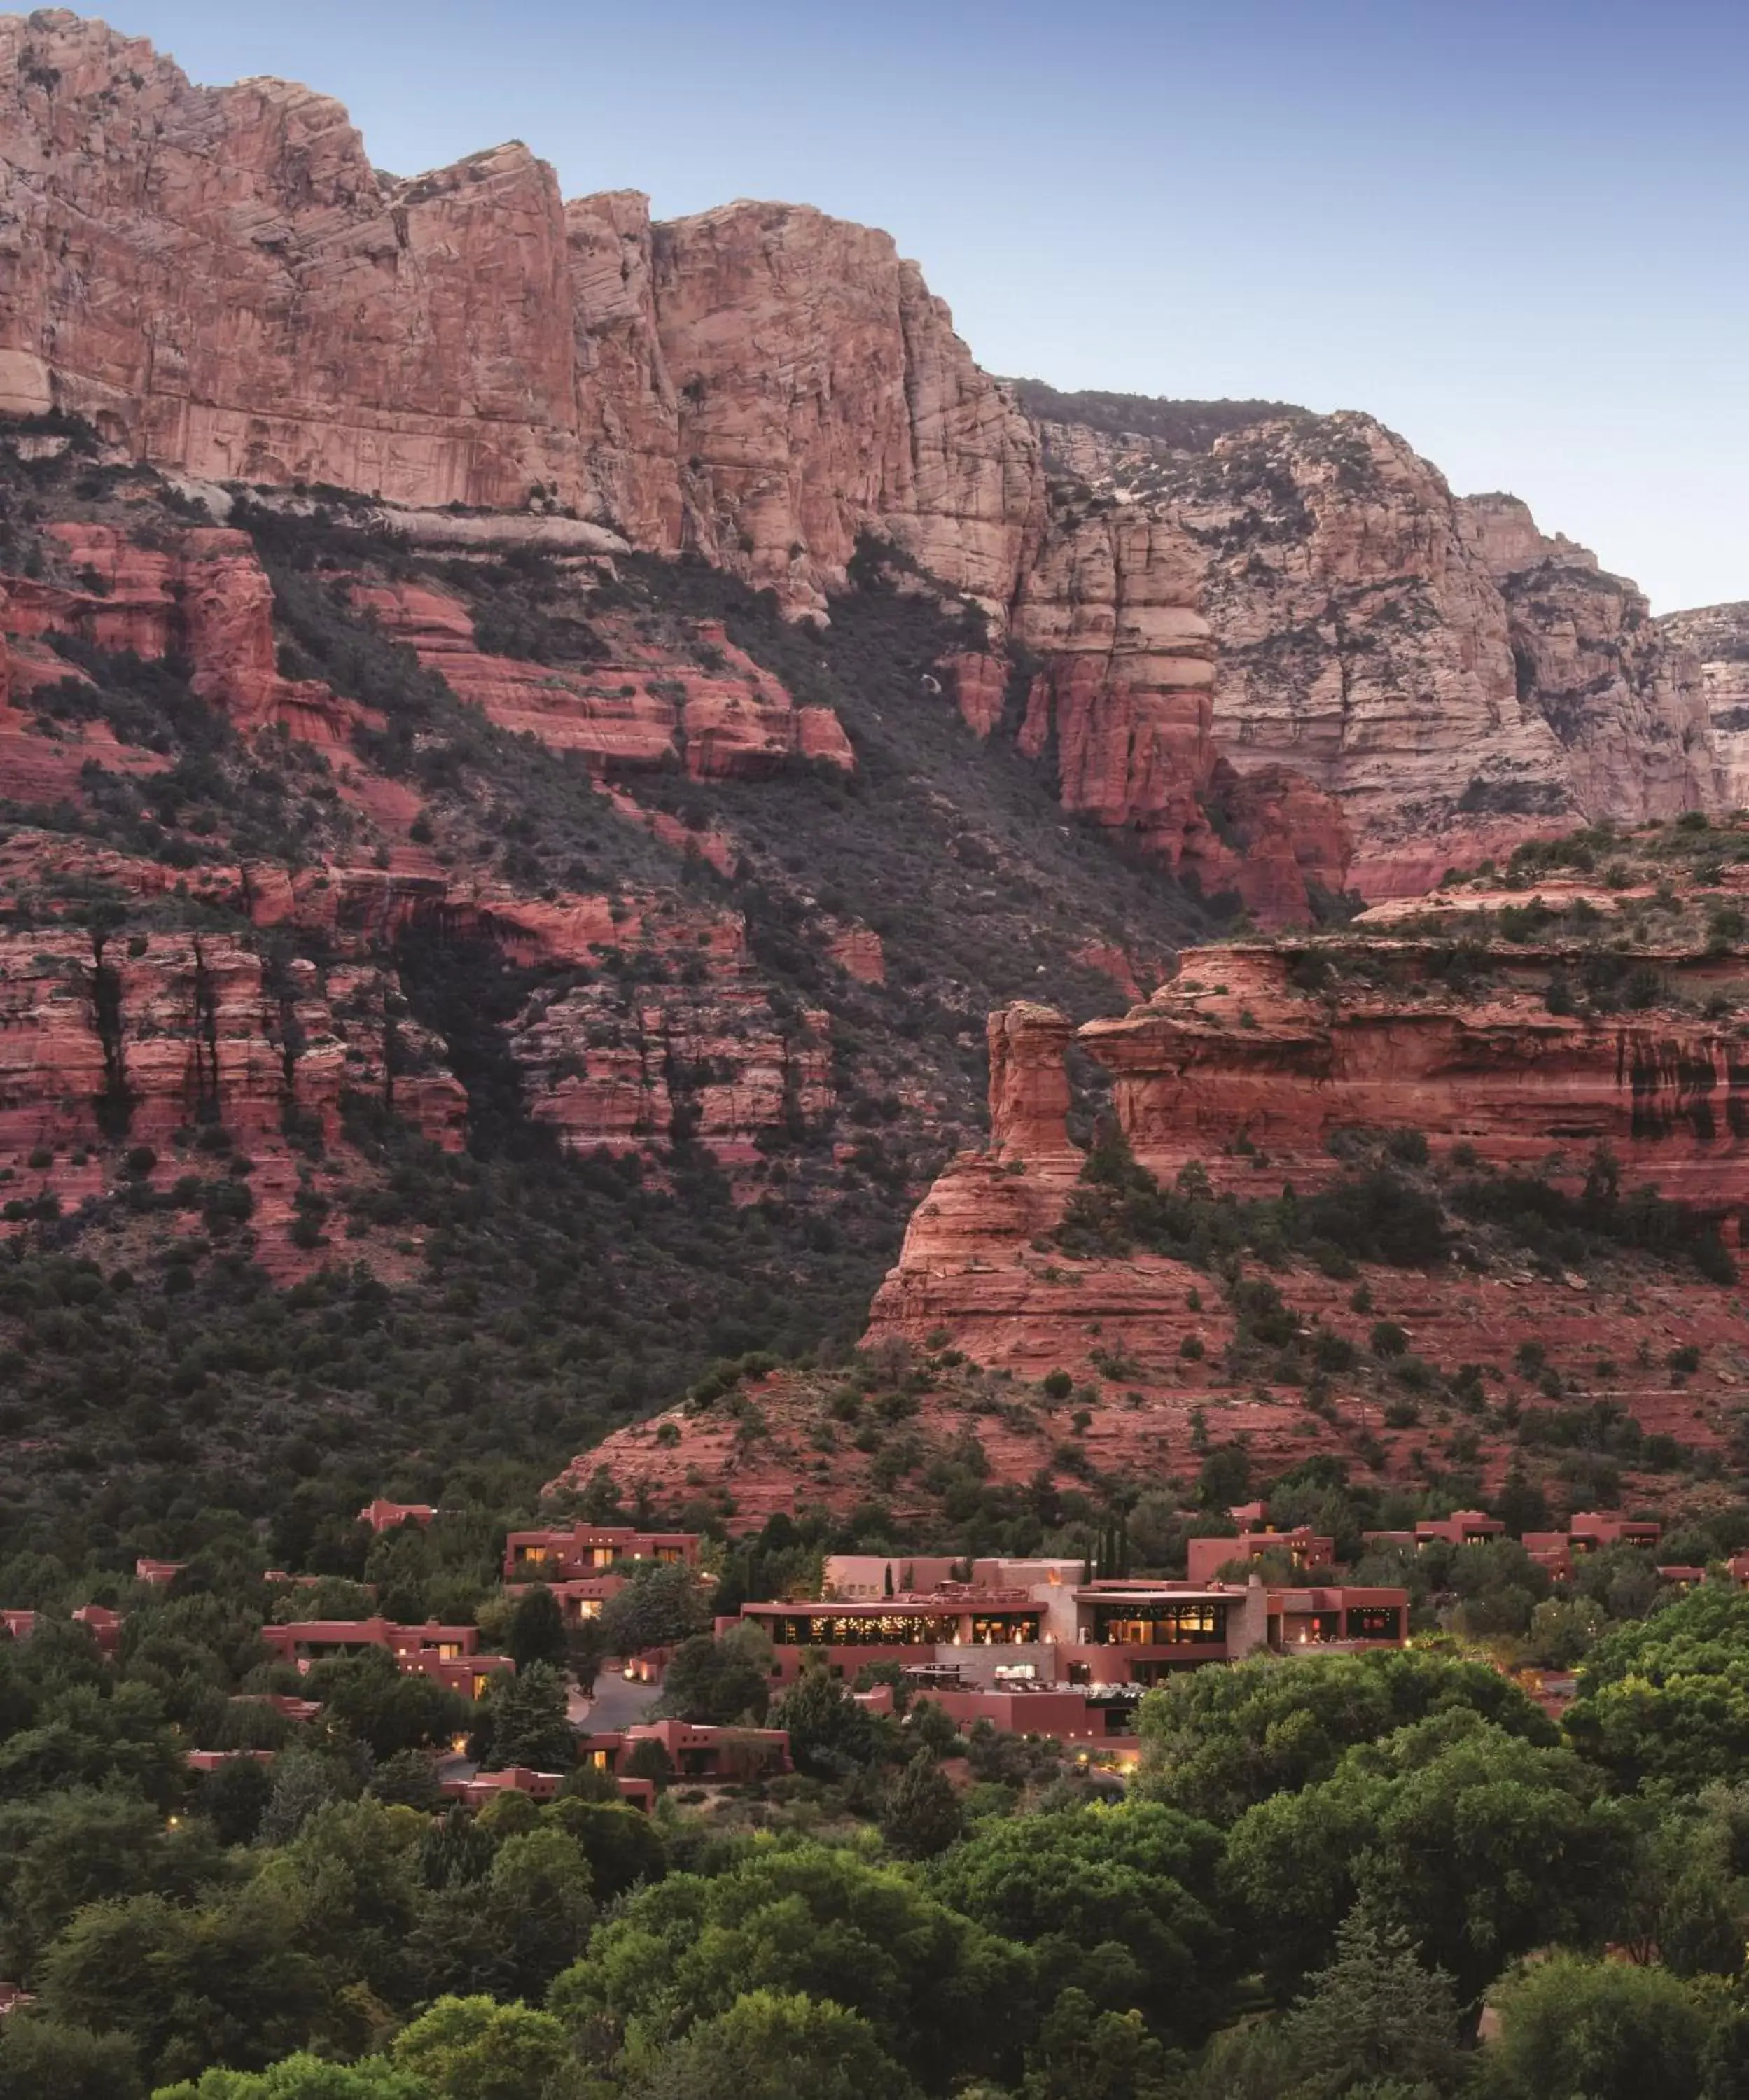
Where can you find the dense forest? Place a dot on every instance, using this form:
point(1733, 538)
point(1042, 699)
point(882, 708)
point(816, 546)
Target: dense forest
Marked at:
point(1321, 1874)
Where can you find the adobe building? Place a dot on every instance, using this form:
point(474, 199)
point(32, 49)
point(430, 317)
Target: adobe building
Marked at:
point(449, 1655)
point(1462, 1528)
point(1301, 1547)
point(587, 1549)
point(1588, 1532)
point(1035, 1622)
point(697, 1750)
point(383, 1515)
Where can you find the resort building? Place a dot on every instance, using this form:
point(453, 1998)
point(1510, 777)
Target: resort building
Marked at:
point(1035, 1622)
point(1301, 1548)
point(864, 1575)
point(580, 1598)
point(383, 1515)
point(1462, 1528)
point(1587, 1532)
point(586, 1549)
point(697, 1750)
point(449, 1655)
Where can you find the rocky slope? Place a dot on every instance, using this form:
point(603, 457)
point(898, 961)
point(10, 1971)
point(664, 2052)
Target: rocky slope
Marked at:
point(413, 920)
point(1276, 655)
point(400, 902)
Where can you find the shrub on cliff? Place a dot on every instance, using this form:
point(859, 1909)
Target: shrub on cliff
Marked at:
point(1119, 1206)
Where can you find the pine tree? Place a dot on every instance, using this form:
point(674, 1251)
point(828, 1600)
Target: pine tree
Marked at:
point(920, 1814)
point(1374, 2015)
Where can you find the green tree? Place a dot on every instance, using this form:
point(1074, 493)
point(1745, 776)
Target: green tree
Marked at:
point(536, 1631)
point(371, 1699)
point(1217, 1741)
point(512, 1930)
point(234, 1798)
point(63, 1851)
point(714, 1681)
point(943, 1997)
point(229, 1982)
point(1602, 2029)
point(648, 1758)
point(1481, 1844)
point(919, 1811)
point(776, 2046)
point(1374, 2015)
point(1667, 1698)
point(352, 1872)
point(830, 1736)
point(661, 1604)
point(1082, 2054)
point(521, 1721)
point(1121, 1902)
point(42, 2060)
point(623, 1846)
point(303, 2077)
point(475, 2048)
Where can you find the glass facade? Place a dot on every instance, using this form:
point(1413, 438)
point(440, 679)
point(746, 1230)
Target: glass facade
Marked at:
point(863, 1630)
point(1311, 1629)
point(1199, 1622)
point(995, 1628)
point(901, 1629)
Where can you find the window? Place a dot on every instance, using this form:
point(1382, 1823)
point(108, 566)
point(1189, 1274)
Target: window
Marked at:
point(997, 1630)
point(863, 1630)
point(1372, 1622)
point(1201, 1621)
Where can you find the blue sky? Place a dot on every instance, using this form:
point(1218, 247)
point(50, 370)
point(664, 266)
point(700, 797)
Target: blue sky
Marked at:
point(1515, 232)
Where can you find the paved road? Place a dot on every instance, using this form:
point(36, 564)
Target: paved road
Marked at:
point(615, 1704)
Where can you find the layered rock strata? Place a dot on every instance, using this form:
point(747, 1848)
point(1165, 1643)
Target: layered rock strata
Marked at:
point(1232, 1067)
point(1455, 679)
point(221, 282)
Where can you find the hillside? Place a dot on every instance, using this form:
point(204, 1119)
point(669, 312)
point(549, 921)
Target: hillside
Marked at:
point(1447, 1199)
point(514, 817)
point(1183, 426)
point(340, 1008)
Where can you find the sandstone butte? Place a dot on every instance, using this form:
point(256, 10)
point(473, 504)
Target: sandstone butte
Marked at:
point(1231, 1065)
point(1295, 664)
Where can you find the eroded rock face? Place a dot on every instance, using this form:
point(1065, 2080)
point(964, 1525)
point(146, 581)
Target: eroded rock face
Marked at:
point(1717, 635)
point(641, 706)
point(1622, 694)
point(98, 1041)
point(823, 389)
point(1236, 1064)
point(1238, 1055)
point(219, 279)
point(1454, 678)
point(1125, 706)
point(202, 595)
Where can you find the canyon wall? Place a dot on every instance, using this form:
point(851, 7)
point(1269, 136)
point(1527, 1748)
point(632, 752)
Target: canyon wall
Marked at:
point(1454, 678)
point(218, 279)
point(1286, 663)
point(1246, 1065)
